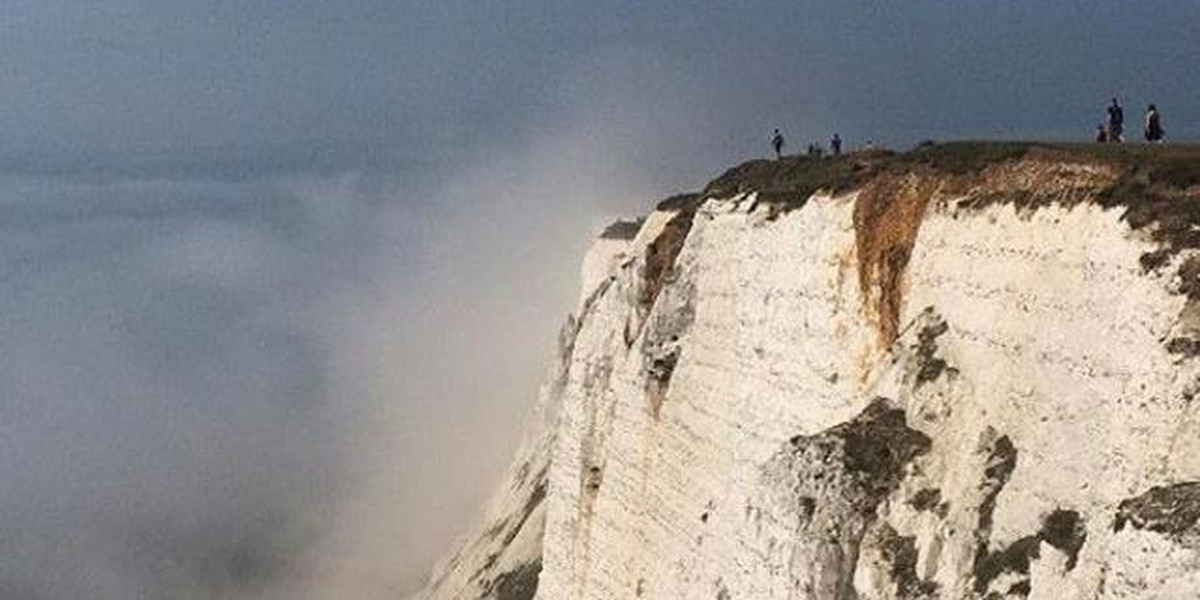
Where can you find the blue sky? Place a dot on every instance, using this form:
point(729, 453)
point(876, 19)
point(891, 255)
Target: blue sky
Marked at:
point(262, 261)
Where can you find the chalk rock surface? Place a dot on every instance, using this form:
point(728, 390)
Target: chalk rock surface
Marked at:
point(967, 371)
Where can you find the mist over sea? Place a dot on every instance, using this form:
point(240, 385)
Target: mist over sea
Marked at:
point(278, 281)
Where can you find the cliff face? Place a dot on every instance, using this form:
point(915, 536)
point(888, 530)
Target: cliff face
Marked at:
point(968, 371)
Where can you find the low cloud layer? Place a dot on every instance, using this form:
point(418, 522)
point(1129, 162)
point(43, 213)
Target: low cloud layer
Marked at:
point(287, 385)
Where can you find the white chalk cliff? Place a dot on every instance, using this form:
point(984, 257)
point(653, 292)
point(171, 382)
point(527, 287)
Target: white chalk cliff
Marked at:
point(967, 371)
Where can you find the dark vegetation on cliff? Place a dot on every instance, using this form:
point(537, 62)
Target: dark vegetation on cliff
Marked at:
point(838, 479)
point(793, 179)
point(1173, 509)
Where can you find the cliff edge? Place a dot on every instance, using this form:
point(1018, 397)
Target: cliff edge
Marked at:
point(965, 371)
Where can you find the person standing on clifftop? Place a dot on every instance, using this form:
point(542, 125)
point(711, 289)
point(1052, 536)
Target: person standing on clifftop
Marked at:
point(1101, 134)
point(1154, 128)
point(835, 145)
point(777, 144)
point(1116, 122)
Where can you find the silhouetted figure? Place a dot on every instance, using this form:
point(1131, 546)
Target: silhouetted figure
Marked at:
point(777, 144)
point(1101, 134)
point(835, 145)
point(1116, 122)
point(1154, 128)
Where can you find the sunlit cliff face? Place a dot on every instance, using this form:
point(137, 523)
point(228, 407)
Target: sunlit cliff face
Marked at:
point(959, 372)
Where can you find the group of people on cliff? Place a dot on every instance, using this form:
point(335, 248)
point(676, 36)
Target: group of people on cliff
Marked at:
point(1114, 131)
point(814, 149)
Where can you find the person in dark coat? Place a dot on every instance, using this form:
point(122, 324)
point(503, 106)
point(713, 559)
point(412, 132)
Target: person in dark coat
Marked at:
point(1154, 128)
point(1116, 122)
point(835, 145)
point(777, 144)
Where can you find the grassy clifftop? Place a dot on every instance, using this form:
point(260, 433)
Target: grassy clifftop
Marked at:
point(793, 179)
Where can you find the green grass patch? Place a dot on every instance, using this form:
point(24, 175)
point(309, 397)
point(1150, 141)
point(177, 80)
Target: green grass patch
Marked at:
point(965, 158)
point(793, 179)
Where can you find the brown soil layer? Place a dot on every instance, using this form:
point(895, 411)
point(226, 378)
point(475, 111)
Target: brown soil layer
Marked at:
point(887, 216)
point(660, 258)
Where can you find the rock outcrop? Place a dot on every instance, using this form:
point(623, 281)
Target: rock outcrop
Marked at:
point(967, 371)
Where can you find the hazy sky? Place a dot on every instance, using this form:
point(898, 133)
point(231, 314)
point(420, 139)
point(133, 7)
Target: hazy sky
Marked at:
point(278, 279)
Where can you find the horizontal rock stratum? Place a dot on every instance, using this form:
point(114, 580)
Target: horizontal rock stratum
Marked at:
point(965, 371)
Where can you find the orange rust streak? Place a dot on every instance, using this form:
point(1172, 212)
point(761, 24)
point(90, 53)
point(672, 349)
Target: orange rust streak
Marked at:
point(887, 217)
